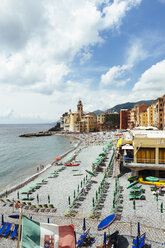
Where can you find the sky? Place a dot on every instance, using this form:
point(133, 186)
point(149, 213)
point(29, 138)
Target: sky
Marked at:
point(54, 53)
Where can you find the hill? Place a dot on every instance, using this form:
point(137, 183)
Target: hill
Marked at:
point(129, 105)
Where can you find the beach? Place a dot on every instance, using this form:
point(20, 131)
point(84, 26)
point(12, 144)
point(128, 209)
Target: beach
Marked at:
point(59, 183)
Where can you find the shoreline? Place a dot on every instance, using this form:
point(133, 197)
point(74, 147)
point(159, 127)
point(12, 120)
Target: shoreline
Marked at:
point(35, 175)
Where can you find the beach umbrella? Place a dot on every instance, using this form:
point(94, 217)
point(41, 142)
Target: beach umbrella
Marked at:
point(27, 195)
point(90, 172)
point(48, 199)
point(132, 184)
point(96, 195)
point(138, 228)
point(157, 196)
point(84, 180)
point(161, 207)
point(14, 216)
point(81, 183)
point(105, 238)
point(99, 190)
point(84, 225)
point(86, 177)
point(134, 204)
point(2, 219)
point(69, 200)
point(74, 194)
point(48, 220)
point(6, 193)
point(106, 222)
point(93, 202)
point(37, 198)
point(18, 195)
point(78, 188)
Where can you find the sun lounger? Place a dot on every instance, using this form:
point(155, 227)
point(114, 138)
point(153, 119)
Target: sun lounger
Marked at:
point(14, 233)
point(6, 233)
point(53, 209)
point(137, 197)
point(141, 241)
point(3, 228)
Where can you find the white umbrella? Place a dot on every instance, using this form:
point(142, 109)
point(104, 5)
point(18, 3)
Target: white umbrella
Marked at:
point(127, 147)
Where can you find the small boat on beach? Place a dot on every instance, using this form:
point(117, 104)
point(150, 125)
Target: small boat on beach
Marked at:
point(71, 164)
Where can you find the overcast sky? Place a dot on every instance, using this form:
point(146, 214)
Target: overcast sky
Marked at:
point(56, 52)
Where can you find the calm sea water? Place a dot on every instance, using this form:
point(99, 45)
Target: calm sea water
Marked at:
point(20, 157)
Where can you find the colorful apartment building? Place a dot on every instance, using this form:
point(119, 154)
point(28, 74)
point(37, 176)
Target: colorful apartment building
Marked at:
point(143, 115)
point(124, 118)
point(101, 122)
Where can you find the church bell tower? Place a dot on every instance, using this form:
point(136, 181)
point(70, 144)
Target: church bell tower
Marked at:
point(79, 109)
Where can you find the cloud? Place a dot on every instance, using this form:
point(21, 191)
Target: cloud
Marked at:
point(151, 84)
point(114, 76)
point(116, 11)
point(6, 114)
point(136, 52)
point(39, 38)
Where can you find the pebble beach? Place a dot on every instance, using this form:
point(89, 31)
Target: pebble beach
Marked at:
point(71, 191)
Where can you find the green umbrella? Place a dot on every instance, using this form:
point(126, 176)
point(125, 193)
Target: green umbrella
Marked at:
point(69, 200)
point(93, 202)
point(74, 194)
point(152, 179)
point(86, 177)
point(134, 204)
point(157, 196)
point(96, 195)
point(161, 207)
point(6, 194)
point(81, 184)
point(84, 180)
point(18, 195)
point(99, 190)
point(78, 188)
point(48, 199)
point(37, 198)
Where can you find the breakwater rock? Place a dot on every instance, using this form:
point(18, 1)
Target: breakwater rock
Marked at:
point(39, 134)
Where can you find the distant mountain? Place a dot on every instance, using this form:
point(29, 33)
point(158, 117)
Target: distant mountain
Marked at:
point(129, 105)
point(97, 112)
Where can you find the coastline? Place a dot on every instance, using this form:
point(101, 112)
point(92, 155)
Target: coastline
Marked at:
point(46, 167)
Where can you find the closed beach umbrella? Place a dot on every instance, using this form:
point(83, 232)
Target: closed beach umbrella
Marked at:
point(48, 199)
point(81, 184)
point(105, 238)
point(69, 200)
point(74, 194)
point(96, 195)
point(157, 196)
point(138, 229)
point(18, 195)
point(84, 180)
point(27, 195)
point(161, 207)
point(78, 188)
point(6, 194)
point(37, 198)
point(2, 219)
point(48, 220)
point(84, 225)
point(134, 204)
point(93, 202)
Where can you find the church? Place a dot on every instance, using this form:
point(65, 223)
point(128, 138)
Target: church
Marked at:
point(79, 121)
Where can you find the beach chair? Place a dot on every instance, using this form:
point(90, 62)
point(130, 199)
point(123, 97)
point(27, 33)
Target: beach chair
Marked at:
point(140, 242)
point(3, 228)
point(52, 208)
point(4, 203)
point(137, 197)
point(7, 231)
point(14, 233)
point(85, 239)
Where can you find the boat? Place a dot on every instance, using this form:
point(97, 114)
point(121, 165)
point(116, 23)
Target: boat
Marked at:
point(71, 164)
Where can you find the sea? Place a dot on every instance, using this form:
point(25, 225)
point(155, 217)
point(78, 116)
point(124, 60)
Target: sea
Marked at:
point(20, 157)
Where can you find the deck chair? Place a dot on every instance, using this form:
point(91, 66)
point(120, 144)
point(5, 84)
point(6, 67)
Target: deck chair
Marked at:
point(6, 233)
point(141, 241)
point(14, 233)
point(85, 239)
point(3, 228)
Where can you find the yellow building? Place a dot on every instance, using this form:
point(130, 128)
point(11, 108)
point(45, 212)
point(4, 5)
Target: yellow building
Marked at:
point(101, 122)
point(150, 115)
point(78, 121)
point(143, 120)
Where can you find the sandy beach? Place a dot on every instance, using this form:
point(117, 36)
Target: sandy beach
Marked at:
point(60, 182)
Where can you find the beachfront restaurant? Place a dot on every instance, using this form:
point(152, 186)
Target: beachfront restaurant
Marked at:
point(148, 153)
